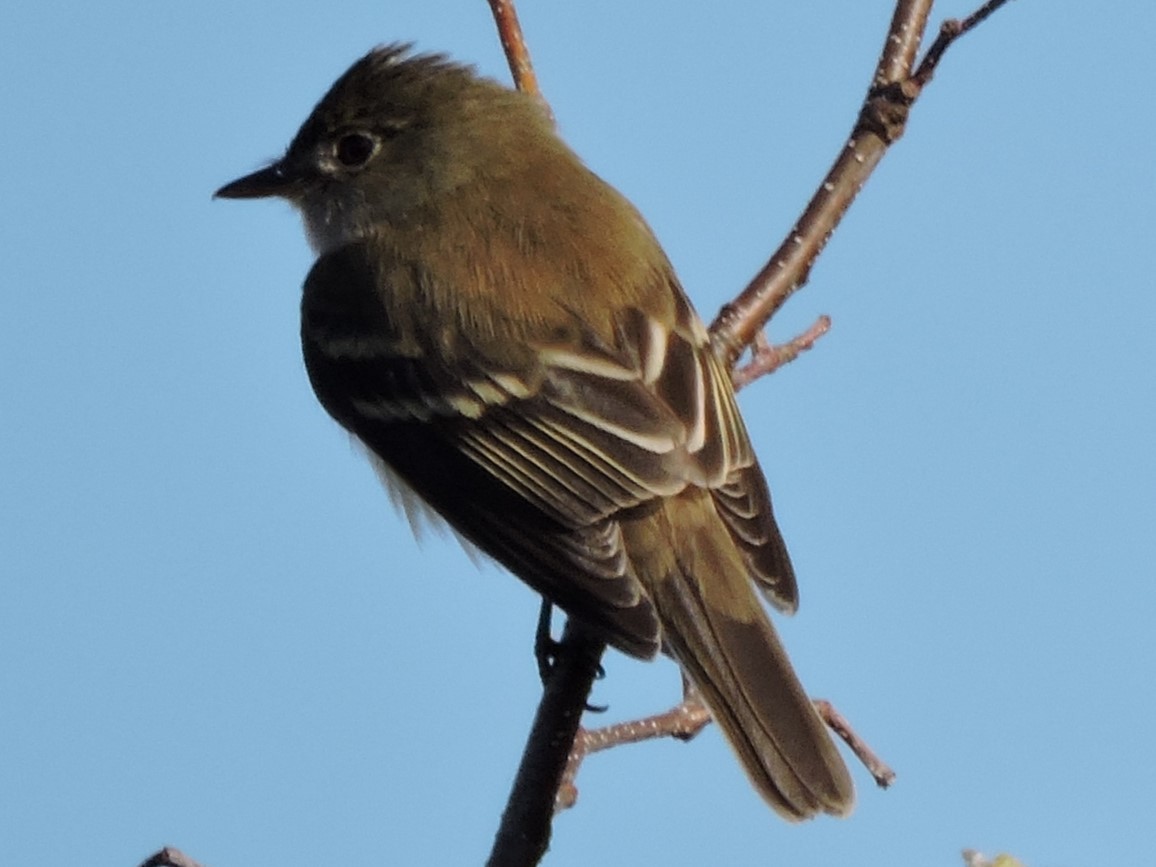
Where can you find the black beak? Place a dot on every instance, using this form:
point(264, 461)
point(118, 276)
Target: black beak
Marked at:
point(273, 180)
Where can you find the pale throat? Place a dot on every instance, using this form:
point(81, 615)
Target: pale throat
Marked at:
point(332, 222)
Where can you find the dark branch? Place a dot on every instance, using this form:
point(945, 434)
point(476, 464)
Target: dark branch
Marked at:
point(524, 834)
point(949, 31)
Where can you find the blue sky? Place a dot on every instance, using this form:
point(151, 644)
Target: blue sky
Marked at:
point(214, 631)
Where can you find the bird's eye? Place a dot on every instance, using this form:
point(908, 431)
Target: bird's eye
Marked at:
point(355, 149)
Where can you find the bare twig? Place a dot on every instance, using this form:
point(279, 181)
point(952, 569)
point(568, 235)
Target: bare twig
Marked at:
point(683, 721)
point(514, 45)
point(766, 358)
point(835, 721)
point(908, 24)
point(881, 122)
point(949, 31)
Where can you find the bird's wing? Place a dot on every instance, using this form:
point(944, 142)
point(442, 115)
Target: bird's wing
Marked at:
point(536, 456)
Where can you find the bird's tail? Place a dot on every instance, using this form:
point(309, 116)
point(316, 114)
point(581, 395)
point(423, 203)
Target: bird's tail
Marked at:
point(717, 629)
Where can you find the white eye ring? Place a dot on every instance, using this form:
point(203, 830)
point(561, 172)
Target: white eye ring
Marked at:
point(354, 149)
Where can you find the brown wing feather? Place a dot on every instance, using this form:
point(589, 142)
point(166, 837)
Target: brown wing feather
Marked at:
point(533, 456)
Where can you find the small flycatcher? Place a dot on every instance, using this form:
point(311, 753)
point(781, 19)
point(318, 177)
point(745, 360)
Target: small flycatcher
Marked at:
point(502, 331)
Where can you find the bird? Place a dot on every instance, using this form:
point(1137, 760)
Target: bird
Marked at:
point(503, 333)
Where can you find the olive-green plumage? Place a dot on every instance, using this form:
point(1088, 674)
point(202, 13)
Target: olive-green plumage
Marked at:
point(503, 332)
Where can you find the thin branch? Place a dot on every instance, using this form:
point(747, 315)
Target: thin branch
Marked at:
point(524, 834)
point(766, 358)
point(904, 36)
point(516, 49)
point(949, 31)
point(835, 721)
point(881, 122)
point(683, 721)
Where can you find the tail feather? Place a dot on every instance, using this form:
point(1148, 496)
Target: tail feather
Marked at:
point(745, 679)
point(716, 628)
